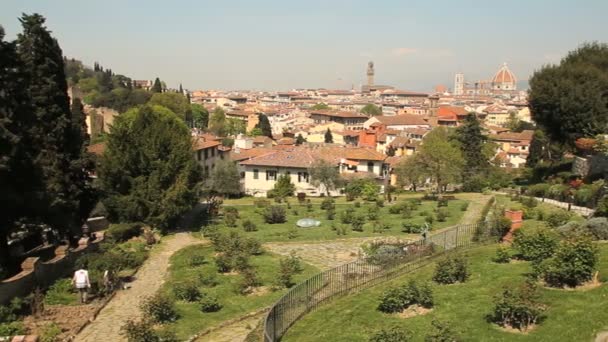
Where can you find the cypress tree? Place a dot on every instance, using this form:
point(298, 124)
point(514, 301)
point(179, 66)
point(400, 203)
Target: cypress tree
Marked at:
point(472, 142)
point(264, 125)
point(300, 139)
point(329, 139)
point(181, 90)
point(157, 87)
point(53, 132)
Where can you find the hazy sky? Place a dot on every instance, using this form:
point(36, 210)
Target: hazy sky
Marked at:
point(279, 45)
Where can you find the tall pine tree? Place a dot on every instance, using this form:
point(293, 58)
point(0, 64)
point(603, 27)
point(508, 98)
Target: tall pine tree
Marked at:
point(157, 87)
point(329, 138)
point(472, 142)
point(264, 125)
point(58, 148)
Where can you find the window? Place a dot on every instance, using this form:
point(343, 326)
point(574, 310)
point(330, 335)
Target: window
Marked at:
point(256, 174)
point(370, 166)
point(206, 154)
point(271, 175)
point(213, 152)
point(302, 177)
point(242, 175)
point(198, 155)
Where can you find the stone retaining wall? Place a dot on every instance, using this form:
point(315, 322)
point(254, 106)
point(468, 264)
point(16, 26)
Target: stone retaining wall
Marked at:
point(35, 273)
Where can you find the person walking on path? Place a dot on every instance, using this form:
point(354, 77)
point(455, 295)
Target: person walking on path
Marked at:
point(82, 283)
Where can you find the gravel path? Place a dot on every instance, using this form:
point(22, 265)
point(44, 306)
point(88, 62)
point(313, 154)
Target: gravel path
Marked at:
point(125, 305)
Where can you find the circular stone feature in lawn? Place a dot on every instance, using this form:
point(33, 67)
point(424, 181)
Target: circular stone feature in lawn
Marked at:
point(308, 222)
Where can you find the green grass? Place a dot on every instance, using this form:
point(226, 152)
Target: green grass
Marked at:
point(192, 320)
point(545, 207)
point(571, 315)
point(280, 232)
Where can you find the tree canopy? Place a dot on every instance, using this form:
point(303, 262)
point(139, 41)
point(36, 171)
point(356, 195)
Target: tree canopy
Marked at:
point(371, 110)
point(200, 116)
point(264, 125)
point(157, 87)
point(320, 106)
point(329, 138)
point(217, 121)
point(409, 171)
point(147, 171)
point(440, 159)
point(472, 143)
point(224, 180)
point(326, 174)
point(177, 103)
point(568, 101)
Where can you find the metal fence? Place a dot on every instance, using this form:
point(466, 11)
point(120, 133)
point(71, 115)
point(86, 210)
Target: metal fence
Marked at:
point(357, 275)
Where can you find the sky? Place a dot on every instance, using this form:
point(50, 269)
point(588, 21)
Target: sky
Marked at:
point(282, 45)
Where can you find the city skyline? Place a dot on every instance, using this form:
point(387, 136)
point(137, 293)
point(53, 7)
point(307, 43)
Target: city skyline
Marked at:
point(269, 45)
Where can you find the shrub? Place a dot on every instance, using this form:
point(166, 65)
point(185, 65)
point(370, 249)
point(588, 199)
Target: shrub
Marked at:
point(261, 203)
point(397, 208)
point(451, 270)
point(357, 222)
point(393, 334)
point(159, 308)
point(249, 279)
point(441, 332)
point(289, 266)
point(383, 254)
point(187, 291)
point(502, 255)
point(60, 293)
point(411, 228)
point(538, 190)
point(500, 226)
point(357, 204)
point(571, 228)
point(442, 214)
point(240, 262)
point(373, 213)
point(464, 206)
point(380, 202)
point(347, 215)
point(50, 333)
point(196, 259)
point(406, 213)
point(518, 308)
point(209, 303)
point(275, 214)
point(534, 244)
point(249, 226)
point(12, 329)
point(398, 299)
point(442, 202)
point(598, 227)
point(223, 263)
point(557, 218)
point(293, 233)
point(330, 214)
point(124, 231)
point(328, 203)
point(142, 331)
point(309, 207)
point(430, 218)
point(573, 263)
point(529, 202)
point(295, 212)
point(207, 279)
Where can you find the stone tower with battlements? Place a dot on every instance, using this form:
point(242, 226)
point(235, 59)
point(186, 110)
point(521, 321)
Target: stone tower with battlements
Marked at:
point(459, 84)
point(370, 74)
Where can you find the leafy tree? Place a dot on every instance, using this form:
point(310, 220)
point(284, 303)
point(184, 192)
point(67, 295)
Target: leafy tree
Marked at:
point(410, 172)
point(472, 141)
point(537, 148)
point(283, 187)
point(177, 103)
point(320, 106)
point(264, 125)
point(224, 180)
point(235, 126)
point(157, 87)
point(371, 110)
point(324, 173)
point(256, 132)
point(147, 170)
point(217, 121)
point(568, 100)
point(200, 116)
point(329, 139)
point(59, 141)
point(300, 139)
point(439, 158)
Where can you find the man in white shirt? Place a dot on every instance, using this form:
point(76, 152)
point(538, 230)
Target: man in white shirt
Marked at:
point(82, 283)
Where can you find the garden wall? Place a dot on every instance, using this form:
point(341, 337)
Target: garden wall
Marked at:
point(35, 273)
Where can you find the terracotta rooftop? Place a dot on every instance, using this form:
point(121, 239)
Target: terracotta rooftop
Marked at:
point(250, 153)
point(514, 136)
point(451, 110)
point(404, 119)
point(97, 149)
point(338, 114)
point(297, 158)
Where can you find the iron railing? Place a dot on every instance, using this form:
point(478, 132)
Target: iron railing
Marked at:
point(363, 273)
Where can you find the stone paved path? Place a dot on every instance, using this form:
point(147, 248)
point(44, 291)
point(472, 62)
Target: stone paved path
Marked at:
point(236, 332)
point(125, 305)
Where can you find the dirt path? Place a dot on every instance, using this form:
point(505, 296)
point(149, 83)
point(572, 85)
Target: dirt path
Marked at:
point(125, 305)
point(236, 332)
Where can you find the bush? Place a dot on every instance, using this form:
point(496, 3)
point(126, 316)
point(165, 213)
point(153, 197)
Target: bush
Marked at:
point(12, 329)
point(357, 223)
point(347, 215)
point(196, 259)
point(357, 204)
point(209, 303)
point(557, 218)
point(411, 228)
point(261, 203)
point(441, 332)
point(442, 214)
point(275, 214)
point(380, 202)
point(538, 190)
point(442, 202)
point(207, 279)
point(60, 293)
point(398, 299)
point(393, 334)
point(500, 226)
point(50, 333)
point(430, 218)
point(464, 206)
point(383, 254)
point(534, 244)
point(373, 213)
point(451, 270)
point(397, 208)
point(159, 308)
point(249, 279)
point(518, 308)
point(502, 255)
point(187, 291)
point(142, 331)
point(598, 227)
point(124, 231)
point(328, 203)
point(289, 266)
point(309, 207)
point(231, 214)
point(330, 214)
point(573, 264)
point(249, 226)
point(223, 263)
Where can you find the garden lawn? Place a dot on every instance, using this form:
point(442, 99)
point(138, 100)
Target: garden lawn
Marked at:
point(571, 315)
point(281, 231)
point(192, 320)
